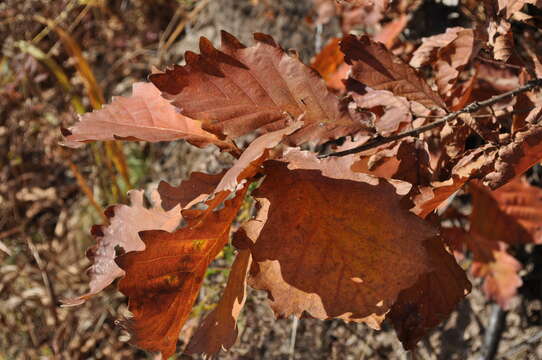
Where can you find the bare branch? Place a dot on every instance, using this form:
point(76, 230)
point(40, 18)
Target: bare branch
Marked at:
point(471, 108)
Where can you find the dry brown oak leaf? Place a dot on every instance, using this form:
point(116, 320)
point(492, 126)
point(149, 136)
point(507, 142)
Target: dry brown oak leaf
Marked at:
point(163, 281)
point(428, 50)
point(236, 90)
point(377, 67)
point(245, 167)
point(126, 221)
point(474, 163)
point(428, 302)
point(519, 155)
point(328, 261)
point(453, 58)
point(145, 115)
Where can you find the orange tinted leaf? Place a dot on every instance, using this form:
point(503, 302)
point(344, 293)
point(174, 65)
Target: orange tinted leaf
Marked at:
point(392, 30)
point(144, 115)
point(375, 66)
point(236, 89)
point(163, 281)
point(331, 66)
point(498, 268)
point(312, 256)
point(123, 231)
point(431, 299)
point(219, 329)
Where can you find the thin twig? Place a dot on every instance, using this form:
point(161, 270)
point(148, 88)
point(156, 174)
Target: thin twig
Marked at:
point(499, 63)
point(494, 331)
point(180, 27)
point(471, 108)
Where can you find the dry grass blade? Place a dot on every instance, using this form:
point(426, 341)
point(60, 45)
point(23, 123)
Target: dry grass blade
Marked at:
point(94, 91)
point(95, 95)
point(87, 190)
point(60, 75)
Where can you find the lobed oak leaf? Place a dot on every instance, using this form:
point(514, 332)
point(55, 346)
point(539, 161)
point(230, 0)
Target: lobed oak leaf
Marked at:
point(123, 231)
point(161, 296)
point(219, 329)
point(236, 90)
point(498, 268)
point(145, 115)
point(375, 66)
point(327, 261)
point(511, 214)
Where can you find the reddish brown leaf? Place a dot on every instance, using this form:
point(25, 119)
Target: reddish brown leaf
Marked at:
point(363, 12)
point(328, 261)
point(375, 66)
point(123, 231)
point(431, 299)
point(219, 329)
point(143, 116)
point(503, 43)
point(163, 281)
point(238, 89)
